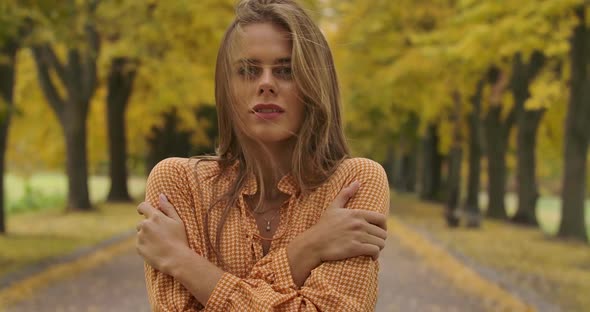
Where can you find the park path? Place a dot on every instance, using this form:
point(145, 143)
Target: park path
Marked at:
point(406, 284)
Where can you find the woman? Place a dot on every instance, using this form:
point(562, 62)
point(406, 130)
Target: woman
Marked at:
point(281, 219)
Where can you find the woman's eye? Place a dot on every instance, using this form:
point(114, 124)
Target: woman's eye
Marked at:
point(248, 71)
point(284, 72)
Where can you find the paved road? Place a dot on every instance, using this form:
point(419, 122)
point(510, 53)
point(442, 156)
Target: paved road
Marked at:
point(115, 286)
point(406, 284)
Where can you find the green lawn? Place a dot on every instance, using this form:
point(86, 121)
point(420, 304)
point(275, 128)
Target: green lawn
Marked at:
point(55, 233)
point(549, 216)
point(36, 236)
point(548, 211)
point(53, 185)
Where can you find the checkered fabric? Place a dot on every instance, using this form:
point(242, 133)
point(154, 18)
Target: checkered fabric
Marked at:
point(253, 282)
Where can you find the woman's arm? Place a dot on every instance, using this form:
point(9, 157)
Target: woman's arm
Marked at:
point(162, 242)
point(211, 285)
point(340, 234)
point(345, 285)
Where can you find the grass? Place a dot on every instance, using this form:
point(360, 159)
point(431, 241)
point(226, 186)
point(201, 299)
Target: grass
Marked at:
point(33, 237)
point(557, 270)
point(548, 211)
point(51, 188)
point(548, 214)
point(46, 233)
point(25, 288)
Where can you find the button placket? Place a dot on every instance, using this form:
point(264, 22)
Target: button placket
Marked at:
point(251, 229)
point(283, 219)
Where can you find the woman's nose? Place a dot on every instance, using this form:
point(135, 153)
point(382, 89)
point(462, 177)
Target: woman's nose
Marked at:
point(267, 83)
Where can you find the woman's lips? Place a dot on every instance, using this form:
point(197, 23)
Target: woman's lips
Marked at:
point(267, 111)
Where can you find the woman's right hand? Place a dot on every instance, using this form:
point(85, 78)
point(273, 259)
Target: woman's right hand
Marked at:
point(339, 234)
point(343, 233)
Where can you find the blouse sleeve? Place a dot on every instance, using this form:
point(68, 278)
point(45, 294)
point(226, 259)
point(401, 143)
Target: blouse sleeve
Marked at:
point(169, 177)
point(346, 285)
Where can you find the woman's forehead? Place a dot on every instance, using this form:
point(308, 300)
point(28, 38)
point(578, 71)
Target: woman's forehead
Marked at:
point(263, 43)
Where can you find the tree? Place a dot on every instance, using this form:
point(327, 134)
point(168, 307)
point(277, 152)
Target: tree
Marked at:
point(527, 121)
point(120, 86)
point(456, 158)
point(175, 52)
point(577, 132)
point(431, 164)
point(78, 78)
point(388, 81)
point(523, 34)
point(472, 209)
point(8, 50)
point(13, 29)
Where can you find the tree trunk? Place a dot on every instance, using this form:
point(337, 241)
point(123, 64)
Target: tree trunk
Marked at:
point(454, 185)
point(472, 211)
point(74, 128)
point(404, 177)
point(7, 78)
point(497, 131)
point(496, 140)
point(528, 190)
point(527, 122)
point(120, 85)
point(431, 165)
point(455, 159)
point(168, 140)
point(398, 171)
point(389, 163)
point(409, 170)
point(577, 135)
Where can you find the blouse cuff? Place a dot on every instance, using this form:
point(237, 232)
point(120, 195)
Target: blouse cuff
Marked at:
point(222, 292)
point(283, 278)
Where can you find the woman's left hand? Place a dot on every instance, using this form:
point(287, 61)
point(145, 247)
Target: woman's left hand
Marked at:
point(161, 236)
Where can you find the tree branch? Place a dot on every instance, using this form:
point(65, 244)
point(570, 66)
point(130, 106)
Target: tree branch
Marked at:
point(56, 103)
point(511, 119)
point(74, 82)
point(535, 64)
point(89, 62)
point(53, 61)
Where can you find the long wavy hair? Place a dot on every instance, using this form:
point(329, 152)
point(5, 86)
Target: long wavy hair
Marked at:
point(319, 146)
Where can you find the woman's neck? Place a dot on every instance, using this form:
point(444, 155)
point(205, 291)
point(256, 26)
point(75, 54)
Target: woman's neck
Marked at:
point(278, 165)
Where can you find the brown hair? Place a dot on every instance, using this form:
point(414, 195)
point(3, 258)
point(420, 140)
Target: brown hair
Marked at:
point(320, 144)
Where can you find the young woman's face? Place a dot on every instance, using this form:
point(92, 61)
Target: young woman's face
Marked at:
point(268, 99)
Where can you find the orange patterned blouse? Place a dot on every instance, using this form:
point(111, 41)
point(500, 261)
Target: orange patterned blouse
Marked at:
point(253, 282)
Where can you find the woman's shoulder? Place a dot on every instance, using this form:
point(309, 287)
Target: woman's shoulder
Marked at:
point(176, 167)
point(359, 169)
point(359, 166)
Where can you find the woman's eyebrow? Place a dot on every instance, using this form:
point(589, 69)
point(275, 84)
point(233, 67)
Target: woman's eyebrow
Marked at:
point(248, 61)
point(283, 60)
point(279, 61)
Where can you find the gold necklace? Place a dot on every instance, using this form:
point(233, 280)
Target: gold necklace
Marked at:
point(268, 221)
point(270, 239)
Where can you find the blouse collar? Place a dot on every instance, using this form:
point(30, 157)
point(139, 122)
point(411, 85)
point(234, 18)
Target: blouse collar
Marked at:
point(287, 185)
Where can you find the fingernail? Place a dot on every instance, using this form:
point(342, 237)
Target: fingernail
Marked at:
point(163, 198)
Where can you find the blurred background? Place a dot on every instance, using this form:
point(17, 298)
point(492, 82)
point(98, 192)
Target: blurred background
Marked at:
point(479, 111)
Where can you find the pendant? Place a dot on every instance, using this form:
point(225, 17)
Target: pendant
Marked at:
point(268, 226)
